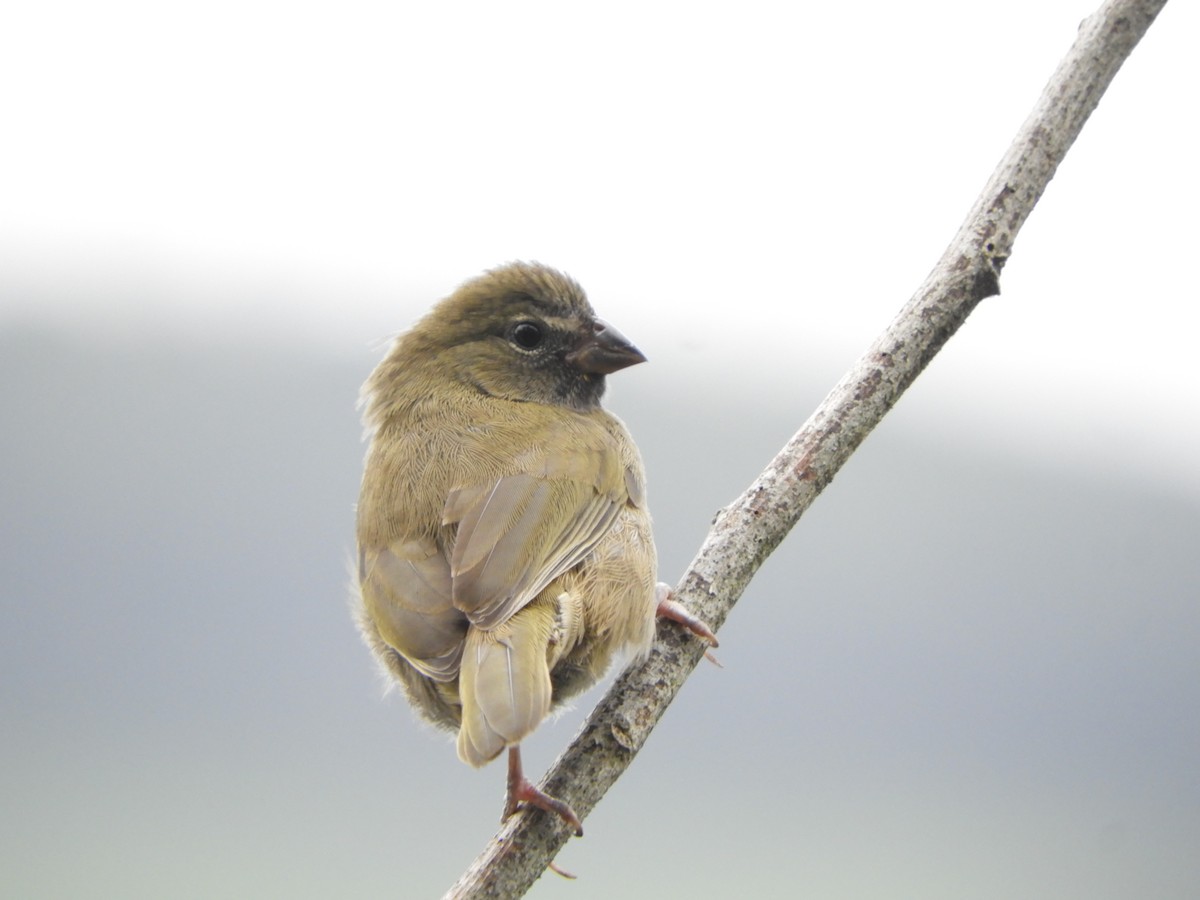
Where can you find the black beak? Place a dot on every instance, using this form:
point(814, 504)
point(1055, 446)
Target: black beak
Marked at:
point(604, 350)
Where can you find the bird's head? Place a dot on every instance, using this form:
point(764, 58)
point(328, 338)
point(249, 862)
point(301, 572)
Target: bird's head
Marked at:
point(521, 332)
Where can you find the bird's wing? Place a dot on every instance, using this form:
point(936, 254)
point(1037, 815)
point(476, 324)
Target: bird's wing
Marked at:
point(406, 590)
point(517, 534)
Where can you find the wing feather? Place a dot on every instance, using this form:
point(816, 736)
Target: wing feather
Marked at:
point(406, 590)
point(517, 535)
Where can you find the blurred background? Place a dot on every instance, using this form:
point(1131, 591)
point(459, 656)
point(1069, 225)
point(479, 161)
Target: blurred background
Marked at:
point(971, 671)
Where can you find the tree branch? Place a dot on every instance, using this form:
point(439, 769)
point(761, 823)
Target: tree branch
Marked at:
point(747, 531)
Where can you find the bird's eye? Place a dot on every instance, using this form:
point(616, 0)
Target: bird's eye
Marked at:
point(527, 335)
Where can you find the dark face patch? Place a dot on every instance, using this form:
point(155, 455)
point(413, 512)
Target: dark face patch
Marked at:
point(508, 334)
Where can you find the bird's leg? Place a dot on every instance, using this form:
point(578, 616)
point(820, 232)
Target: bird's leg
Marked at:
point(670, 608)
point(521, 790)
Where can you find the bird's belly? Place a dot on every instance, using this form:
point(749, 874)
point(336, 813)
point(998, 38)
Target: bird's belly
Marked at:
point(612, 598)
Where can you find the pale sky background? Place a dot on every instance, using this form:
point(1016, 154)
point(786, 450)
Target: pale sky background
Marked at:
point(768, 181)
point(971, 673)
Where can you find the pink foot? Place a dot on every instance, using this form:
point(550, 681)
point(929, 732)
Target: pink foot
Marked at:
point(669, 608)
point(521, 790)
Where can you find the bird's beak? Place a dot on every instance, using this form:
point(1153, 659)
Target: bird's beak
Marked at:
point(604, 350)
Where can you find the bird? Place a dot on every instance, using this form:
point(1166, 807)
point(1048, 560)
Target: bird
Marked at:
point(505, 551)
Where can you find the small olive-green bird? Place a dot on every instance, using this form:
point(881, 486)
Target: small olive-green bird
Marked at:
point(504, 548)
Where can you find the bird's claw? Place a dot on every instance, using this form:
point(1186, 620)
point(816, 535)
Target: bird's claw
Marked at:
point(670, 608)
point(522, 790)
